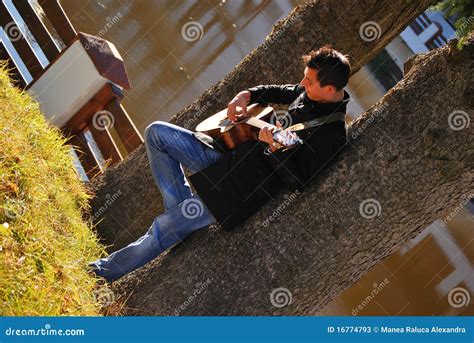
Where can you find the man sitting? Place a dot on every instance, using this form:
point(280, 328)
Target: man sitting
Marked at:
point(170, 148)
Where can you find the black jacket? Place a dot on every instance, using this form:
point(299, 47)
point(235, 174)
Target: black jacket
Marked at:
point(246, 177)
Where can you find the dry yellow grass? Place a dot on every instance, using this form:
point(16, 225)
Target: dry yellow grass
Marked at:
point(45, 244)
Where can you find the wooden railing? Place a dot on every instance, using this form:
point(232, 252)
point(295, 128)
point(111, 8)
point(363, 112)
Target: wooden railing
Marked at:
point(105, 102)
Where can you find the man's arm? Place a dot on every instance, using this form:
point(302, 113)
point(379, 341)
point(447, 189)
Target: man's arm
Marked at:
point(242, 100)
point(275, 94)
point(266, 94)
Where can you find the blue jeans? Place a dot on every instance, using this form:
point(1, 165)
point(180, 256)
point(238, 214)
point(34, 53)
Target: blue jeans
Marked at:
point(169, 148)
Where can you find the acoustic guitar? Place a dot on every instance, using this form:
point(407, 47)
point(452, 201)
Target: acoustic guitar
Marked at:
point(247, 128)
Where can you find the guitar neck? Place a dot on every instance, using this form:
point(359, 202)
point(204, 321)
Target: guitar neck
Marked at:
point(258, 123)
point(284, 137)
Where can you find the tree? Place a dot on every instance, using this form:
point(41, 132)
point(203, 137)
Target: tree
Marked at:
point(306, 27)
point(411, 157)
point(316, 252)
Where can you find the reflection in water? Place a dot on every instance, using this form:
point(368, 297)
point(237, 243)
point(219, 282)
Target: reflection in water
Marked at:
point(167, 67)
point(432, 274)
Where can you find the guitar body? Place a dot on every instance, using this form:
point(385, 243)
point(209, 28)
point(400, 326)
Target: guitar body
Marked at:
point(234, 134)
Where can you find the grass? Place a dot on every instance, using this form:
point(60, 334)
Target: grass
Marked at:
point(45, 244)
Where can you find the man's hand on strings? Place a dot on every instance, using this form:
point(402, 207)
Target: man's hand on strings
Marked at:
point(240, 100)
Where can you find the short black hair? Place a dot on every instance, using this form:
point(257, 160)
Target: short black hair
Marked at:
point(333, 67)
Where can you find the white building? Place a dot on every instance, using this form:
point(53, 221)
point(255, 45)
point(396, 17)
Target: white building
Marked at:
point(429, 31)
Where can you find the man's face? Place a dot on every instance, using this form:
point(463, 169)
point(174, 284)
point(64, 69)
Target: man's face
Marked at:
point(313, 87)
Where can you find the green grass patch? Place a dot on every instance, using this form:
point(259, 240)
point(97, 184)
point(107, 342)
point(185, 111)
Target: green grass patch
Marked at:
point(45, 243)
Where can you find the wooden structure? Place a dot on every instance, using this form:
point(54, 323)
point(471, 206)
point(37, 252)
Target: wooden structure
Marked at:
point(80, 88)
